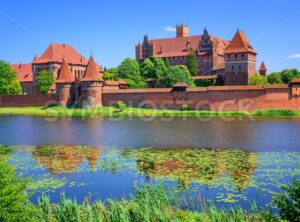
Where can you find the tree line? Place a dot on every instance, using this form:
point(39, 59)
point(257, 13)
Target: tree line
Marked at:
point(159, 70)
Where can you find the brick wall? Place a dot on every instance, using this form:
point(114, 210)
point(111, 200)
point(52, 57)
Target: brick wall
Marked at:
point(25, 100)
point(218, 98)
point(230, 98)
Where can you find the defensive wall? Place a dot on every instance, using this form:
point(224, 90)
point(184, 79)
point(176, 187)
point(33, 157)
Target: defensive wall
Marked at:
point(218, 98)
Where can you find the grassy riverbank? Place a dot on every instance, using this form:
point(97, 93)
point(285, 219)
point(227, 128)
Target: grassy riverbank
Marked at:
point(130, 111)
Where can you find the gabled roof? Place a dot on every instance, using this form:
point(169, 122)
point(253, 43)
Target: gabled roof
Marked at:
point(65, 75)
point(92, 72)
point(239, 43)
point(24, 72)
point(56, 53)
point(263, 67)
point(178, 46)
point(295, 80)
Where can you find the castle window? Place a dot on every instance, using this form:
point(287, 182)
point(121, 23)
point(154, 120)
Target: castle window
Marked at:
point(235, 55)
point(243, 55)
point(232, 67)
point(240, 67)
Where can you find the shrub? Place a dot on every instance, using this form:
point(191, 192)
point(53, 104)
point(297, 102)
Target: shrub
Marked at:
point(120, 106)
point(14, 201)
point(185, 107)
point(288, 201)
point(258, 80)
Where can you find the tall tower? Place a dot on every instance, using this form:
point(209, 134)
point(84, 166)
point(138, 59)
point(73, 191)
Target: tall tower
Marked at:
point(91, 86)
point(182, 31)
point(240, 60)
point(64, 85)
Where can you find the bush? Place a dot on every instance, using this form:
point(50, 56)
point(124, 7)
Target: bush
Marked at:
point(274, 78)
point(135, 85)
point(120, 106)
point(288, 201)
point(14, 201)
point(258, 80)
point(185, 107)
point(204, 82)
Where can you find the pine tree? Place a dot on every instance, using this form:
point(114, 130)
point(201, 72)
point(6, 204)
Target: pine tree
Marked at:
point(192, 63)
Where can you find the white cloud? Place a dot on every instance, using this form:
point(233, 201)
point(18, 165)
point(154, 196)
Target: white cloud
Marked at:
point(170, 29)
point(295, 56)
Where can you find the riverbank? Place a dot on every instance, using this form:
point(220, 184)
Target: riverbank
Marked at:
point(130, 111)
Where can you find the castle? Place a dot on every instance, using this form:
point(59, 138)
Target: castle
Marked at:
point(231, 62)
point(79, 81)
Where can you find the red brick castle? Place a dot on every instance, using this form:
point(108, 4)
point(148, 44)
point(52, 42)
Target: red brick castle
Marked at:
point(233, 62)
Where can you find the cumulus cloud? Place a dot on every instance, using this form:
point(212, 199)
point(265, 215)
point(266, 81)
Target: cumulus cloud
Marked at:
point(170, 29)
point(295, 56)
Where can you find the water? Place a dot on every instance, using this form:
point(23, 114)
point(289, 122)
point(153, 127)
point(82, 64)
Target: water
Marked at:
point(227, 162)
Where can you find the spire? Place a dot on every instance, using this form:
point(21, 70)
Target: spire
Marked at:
point(65, 75)
point(263, 67)
point(92, 71)
point(239, 43)
point(35, 59)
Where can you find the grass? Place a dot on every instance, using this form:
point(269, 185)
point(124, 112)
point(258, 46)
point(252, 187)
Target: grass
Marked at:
point(130, 111)
point(150, 203)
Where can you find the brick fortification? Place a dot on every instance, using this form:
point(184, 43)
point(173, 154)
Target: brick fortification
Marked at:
point(217, 98)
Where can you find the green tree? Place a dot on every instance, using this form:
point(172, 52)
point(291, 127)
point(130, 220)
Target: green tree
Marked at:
point(160, 67)
point(258, 80)
point(274, 78)
point(14, 201)
point(288, 74)
point(111, 74)
point(9, 85)
point(192, 63)
point(45, 79)
point(130, 69)
point(174, 74)
point(288, 201)
point(148, 69)
point(167, 62)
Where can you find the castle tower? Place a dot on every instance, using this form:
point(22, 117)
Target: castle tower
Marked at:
point(263, 69)
point(64, 85)
point(240, 60)
point(91, 86)
point(182, 31)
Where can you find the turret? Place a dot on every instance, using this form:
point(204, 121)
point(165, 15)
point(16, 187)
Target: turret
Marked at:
point(91, 86)
point(64, 85)
point(240, 60)
point(182, 31)
point(263, 69)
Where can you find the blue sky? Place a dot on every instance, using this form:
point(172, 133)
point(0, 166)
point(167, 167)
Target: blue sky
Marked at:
point(111, 28)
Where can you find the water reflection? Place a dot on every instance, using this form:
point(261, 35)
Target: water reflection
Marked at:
point(65, 159)
point(190, 165)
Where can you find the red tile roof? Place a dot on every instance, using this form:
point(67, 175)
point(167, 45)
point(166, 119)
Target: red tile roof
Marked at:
point(122, 82)
point(205, 77)
point(180, 84)
point(92, 72)
point(56, 53)
point(239, 43)
point(111, 83)
point(295, 80)
point(24, 72)
point(65, 75)
point(170, 47)
point(263, 67)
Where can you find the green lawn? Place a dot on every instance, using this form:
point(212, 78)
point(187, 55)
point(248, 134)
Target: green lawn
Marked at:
point(111, 111)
